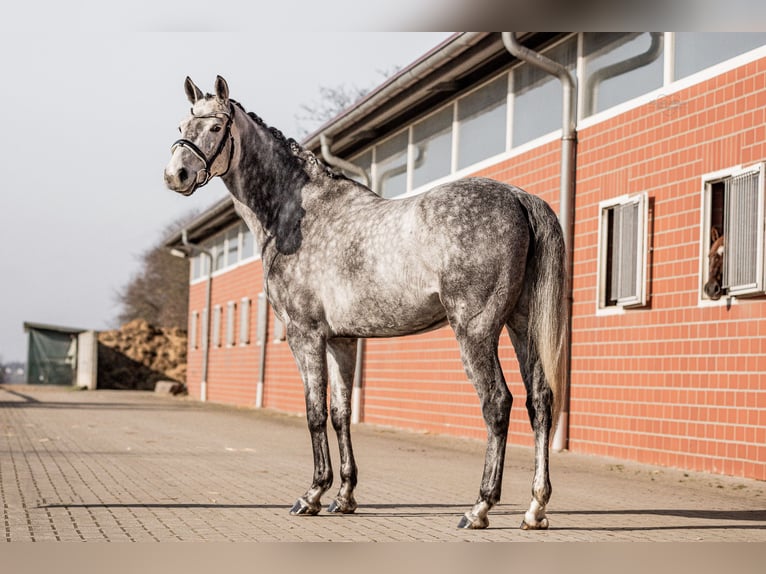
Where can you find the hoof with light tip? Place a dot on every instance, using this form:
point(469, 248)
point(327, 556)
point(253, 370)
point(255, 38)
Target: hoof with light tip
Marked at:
point(342, 506)
point(541, 524)
point(472, 522)
point(303, 508)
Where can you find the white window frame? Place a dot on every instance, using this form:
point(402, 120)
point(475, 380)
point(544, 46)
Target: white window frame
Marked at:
point(759, 287)
point(231, 334)
point(244, 321)
point(217, 312)
point(639, 295)
point(193, 327)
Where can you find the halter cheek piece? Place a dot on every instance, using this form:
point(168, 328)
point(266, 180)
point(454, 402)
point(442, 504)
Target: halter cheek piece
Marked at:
point(208, 163)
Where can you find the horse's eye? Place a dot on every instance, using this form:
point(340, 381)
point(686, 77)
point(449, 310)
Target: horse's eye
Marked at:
point(215, 128)
point(180, 130)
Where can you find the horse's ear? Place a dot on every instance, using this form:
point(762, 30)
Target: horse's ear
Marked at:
point(221, 89)
point(192, 91)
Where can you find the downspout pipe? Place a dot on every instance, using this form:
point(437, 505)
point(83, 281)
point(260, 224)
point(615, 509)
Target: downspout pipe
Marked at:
point(261, 384)
point(335, 161)
point(194, 248)
point(566, 199)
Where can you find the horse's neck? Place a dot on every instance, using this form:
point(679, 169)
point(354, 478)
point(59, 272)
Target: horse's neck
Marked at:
point(266, 185)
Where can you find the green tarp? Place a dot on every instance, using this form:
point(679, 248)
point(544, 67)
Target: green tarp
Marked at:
point(52, 357)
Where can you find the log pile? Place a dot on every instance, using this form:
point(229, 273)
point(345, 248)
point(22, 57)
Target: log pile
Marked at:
point(137, 355)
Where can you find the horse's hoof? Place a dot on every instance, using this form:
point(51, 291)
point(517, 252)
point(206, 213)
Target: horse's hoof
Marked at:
point(471, 522)
point(542, 524)
point(303, 508)
point(343, 507)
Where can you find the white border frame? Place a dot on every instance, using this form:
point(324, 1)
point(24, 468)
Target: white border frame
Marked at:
point(704, 242)
point(642, 259)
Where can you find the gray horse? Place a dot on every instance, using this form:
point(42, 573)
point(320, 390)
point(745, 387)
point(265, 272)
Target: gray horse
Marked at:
point(341, 263)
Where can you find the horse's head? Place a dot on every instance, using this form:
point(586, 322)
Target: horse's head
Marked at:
point(206, 146)
point(713, 288)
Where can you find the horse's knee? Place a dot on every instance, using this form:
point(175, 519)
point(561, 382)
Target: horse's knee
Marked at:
point(340, 417)
point(316, 419)
point(497, 411)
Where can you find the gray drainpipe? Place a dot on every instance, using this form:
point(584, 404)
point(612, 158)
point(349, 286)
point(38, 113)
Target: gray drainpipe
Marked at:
point(335, 161)
point(194, 248)
point(566, 198)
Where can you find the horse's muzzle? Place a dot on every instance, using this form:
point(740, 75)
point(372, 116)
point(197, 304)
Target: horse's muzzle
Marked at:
point(181, 181)
point(713, 290)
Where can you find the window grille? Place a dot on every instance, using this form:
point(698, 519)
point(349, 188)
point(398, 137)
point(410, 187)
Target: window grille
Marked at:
point(193, 323)
point(743, 230)
point(622, 252)
point(244, 321)
point(217, 311)
point(261, 324)
point(231, 308)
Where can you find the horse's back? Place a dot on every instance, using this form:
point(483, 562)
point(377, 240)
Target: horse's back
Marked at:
point(384, 267)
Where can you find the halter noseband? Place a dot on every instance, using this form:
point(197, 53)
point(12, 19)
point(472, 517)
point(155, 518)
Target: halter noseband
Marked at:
point(208, 163)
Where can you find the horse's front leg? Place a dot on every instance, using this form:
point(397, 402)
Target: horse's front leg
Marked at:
point(341, 360)
point(309, 351)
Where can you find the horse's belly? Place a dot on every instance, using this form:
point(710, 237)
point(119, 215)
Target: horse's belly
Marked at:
point(376, 315)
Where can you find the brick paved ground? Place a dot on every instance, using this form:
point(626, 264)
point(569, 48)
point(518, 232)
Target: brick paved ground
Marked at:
point(133, 466)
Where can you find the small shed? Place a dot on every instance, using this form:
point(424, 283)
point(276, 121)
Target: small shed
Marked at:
point(61, 355)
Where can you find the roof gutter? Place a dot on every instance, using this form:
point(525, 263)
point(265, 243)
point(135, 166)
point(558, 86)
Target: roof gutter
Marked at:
point(405, 79)
point(566, 199)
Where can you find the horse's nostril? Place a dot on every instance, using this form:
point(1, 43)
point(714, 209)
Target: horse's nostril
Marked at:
point(183, 174)
point(713, 290)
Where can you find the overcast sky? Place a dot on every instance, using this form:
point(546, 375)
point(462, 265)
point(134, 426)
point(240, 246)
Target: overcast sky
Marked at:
point(88, 119)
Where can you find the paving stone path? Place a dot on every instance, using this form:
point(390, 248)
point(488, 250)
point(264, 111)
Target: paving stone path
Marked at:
point(135, 466)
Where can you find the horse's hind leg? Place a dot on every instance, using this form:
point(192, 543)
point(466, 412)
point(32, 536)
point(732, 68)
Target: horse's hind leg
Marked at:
point(341, 360)
point(479, 353)
point(310, 355)
point(539, 404)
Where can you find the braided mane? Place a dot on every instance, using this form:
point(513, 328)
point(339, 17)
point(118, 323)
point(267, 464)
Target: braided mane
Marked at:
point(301, 154)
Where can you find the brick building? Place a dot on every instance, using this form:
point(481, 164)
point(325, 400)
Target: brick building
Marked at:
point(671, 140)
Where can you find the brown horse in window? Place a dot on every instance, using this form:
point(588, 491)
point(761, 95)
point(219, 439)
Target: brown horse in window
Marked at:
point(713, 287)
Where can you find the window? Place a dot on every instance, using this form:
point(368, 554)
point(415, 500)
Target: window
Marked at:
point(219, 253)
point(262, 321)
point(364, 161)
point(193, 326)
point(244, 321)
point(205, 334)
point(248, 243)
point(515, 107)
point(695, 51)
point(391, 166)
point(482, 122)
point(232, 246)
point(619, 67)
point(732, 235)
point(279, 331)
point(228, 249)
point(217, 311)
point(622, 252)
point(537, 105)
point(432, 140)
point(231, 309)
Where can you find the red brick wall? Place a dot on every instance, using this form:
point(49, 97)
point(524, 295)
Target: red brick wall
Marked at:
point(232, 371)
point(672, 383)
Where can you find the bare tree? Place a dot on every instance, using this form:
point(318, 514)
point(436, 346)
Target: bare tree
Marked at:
point(332, 101)
point(159, 291)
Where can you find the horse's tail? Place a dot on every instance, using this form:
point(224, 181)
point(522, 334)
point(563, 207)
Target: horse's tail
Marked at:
point(548, 321)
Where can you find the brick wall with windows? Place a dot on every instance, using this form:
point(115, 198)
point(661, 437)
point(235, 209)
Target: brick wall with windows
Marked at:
point(232, 369)
point(677, 382)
